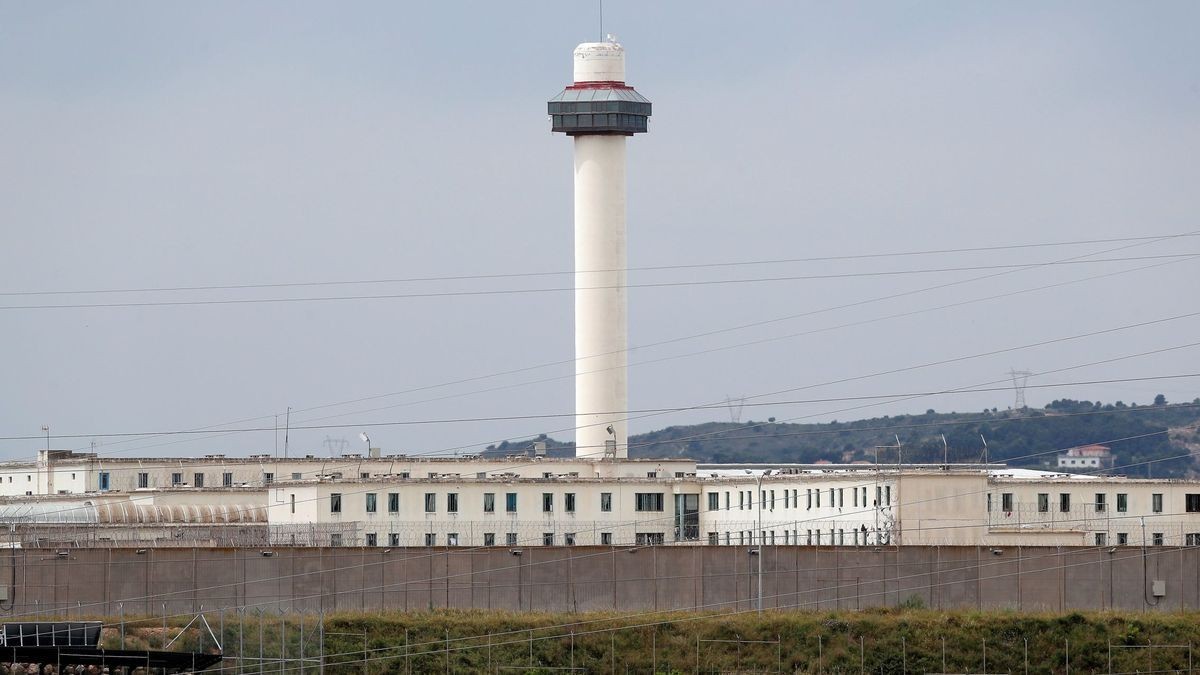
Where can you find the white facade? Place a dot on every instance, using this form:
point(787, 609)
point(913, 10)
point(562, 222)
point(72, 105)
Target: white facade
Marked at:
point(62, 472)
point(442, 501)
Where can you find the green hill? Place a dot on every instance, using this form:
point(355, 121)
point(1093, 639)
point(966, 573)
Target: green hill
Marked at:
point(1159, 440)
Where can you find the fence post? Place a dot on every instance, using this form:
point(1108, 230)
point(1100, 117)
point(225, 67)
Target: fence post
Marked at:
point(1026, 640)
point(904, 657)
point(259, 613)
point(984, 655)
point(943, 653)
point(862, 657)
point(1067, 641)
point(241, 639)
point(820, 654)
point(122, 608)
point(654, 648)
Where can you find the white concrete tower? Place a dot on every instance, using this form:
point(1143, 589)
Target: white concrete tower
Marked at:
point(599, 110)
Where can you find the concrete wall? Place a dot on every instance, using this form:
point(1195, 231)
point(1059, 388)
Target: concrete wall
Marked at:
point(99, 581)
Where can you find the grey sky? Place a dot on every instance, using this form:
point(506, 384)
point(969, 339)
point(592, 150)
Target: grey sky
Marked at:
point(170, 144)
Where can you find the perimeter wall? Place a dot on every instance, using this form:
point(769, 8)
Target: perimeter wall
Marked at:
point(89, 582)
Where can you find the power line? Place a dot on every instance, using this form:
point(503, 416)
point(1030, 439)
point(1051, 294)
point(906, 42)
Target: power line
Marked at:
point(563, 289)
point(654, 411)
point(755, 324)
point(517, 275)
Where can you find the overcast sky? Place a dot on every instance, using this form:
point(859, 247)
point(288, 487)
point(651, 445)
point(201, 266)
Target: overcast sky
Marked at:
point(155, 145)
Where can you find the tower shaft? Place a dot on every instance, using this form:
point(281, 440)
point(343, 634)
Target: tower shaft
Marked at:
point(601, 324)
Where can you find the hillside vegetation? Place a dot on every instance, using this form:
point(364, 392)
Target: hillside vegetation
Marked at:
point(1156, 440)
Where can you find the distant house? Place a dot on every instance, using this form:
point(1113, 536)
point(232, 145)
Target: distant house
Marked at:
point(1086, 457)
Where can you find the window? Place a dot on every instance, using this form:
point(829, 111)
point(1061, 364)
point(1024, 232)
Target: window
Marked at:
point(649, 501)
point(430, 502)
point(1122, 538)
point(1006, 502)
point(1156, 502)
point(296, 475)
point(143, 480)
point(569, 502)
point(1064, 502)
point(713, 540)
point(547, 502)
point(772, 502)
point(489, 538)
point(714, 501)
point(489, 502)
point(364, 475)
point(1192, 503)
point(547, 539)
point(393, 539)
point(1192, 539)
point(1101, 539)
point(606, 501)
point(452, 502)
point(1122, 502)
point(430, 539)
point(1156, 538)
point(293, 500)
point(1043, 502)
point(372, 502)
point(741, 500)
point(841, 497)
point(268, 478)
point(335, 502)
point(606, 538)
point(510, 502)
point(103, 481)
point(1101, 504)
point(989, 502)
point(176, 479)
point(227, 479)
point(510, 538)
point(651, 474)
point(818, 495)
point(198, 480)
point(372, 539)
point(808, 498)
point(335, 539)
point(649, 538)
point(569, 538)
point(393, 502)
point(887, 494)
point(452, 539)
point(854, 495)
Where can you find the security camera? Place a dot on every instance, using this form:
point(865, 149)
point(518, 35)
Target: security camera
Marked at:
point(610, 430)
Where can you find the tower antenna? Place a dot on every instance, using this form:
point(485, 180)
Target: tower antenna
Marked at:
point(601, 20)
